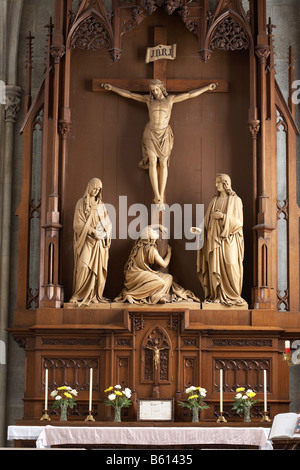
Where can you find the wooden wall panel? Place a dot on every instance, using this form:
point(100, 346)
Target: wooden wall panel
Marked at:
point(211, 135)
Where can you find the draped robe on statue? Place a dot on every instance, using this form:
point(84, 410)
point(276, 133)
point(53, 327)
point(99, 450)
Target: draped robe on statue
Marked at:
point(220, 261)
point(146, 286)
point(92, 239)
point(160, 140)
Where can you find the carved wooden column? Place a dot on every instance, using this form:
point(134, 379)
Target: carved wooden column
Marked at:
point(52, 295)
point(263, 292)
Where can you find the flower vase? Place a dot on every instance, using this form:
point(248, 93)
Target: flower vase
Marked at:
point(195, 416)
point(247, 417)
point(63, 412)
point(117, 417)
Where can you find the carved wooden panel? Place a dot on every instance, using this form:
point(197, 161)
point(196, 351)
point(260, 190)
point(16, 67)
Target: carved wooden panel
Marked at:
point(241, 372)
point(123, 370)
point(190, 371)
point(71, 371)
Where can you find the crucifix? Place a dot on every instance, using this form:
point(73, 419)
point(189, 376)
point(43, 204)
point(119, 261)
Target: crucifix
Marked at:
point(160, 363)
point(157, 141)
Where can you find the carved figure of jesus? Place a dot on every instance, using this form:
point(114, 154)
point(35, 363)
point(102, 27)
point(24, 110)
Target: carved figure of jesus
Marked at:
point(156, 350)
point(158, 139)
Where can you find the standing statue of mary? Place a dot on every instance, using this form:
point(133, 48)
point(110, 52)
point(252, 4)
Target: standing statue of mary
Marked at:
point(92, 238)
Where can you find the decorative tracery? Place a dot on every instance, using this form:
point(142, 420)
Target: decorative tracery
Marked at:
point(229, 36)
point(91, 35)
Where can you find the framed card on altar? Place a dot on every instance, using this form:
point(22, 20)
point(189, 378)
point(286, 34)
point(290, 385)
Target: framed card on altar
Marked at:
point(155, 409)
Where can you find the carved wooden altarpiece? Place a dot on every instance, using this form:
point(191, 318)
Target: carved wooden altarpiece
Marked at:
point(86, 133)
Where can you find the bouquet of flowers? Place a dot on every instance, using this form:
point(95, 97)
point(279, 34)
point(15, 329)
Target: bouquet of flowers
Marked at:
point(118, 398)
point(195, 401)
point(64, 397)
point(242, 401)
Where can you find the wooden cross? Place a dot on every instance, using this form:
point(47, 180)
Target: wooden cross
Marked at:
point(141, 85)
point(171, 85)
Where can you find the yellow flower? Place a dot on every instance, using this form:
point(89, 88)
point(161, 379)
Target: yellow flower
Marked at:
point(68, 395)
point(241, 389)
point(62, 388)
point(251, 394)
point(108, 389)
point(192, 396)
point(118, 393)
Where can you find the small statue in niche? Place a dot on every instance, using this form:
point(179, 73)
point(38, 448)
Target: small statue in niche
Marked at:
point(220, 260)
point(92, 238)
point(142, 284)
point(158, 139)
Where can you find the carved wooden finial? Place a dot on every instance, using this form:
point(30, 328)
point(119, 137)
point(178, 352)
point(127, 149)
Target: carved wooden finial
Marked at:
point(270, 27)
point(29, 39)
point(50, 27)
point(28, 67)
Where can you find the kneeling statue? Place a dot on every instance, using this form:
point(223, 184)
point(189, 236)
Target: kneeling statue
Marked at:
point(144, 285)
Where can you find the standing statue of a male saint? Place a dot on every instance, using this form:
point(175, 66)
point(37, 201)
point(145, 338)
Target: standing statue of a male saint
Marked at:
point(158, 137)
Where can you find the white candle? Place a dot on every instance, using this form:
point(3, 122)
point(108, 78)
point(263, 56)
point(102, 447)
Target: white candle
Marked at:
point(46, 389)
point(265, 390)
point(91, 387)
point(221, 390)
point(287, 346)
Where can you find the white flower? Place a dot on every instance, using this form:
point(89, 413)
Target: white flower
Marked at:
point(190, 389)
point(58, 397)
point(245, 397)
point(111, 396)
point(238, 396)
point(249, 391)
point(69, 388)
point(118, 386)
point(74, 392)
point(127, 392)
point(54, 393)
point(202, 392)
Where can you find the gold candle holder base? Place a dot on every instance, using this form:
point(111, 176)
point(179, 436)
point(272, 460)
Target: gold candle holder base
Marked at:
point(221, 419)
point(287, 357)
point(45, 417)
point(89, 417)
point(265, 418)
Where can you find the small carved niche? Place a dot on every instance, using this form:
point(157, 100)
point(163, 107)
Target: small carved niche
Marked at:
point(156, 350)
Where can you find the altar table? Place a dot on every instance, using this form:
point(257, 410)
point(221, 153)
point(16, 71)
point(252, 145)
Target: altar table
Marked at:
point(85, 436)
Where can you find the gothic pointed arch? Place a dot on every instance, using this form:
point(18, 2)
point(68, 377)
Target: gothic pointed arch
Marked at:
point(228, 31)
point(91, 30)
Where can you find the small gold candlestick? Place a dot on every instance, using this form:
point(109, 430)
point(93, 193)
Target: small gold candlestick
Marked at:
point(45, 416)
point(287, 357)
point(221, 418)
point(89, 417)
point(265, 418)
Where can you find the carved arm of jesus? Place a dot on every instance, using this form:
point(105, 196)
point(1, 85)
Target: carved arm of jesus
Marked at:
point(124, 93)
point(194, 93)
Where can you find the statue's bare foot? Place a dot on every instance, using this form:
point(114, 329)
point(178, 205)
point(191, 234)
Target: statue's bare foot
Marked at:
point(159, 203)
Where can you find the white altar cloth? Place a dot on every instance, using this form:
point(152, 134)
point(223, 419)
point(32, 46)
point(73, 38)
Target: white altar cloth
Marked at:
point(153, 436)
point(24, 433)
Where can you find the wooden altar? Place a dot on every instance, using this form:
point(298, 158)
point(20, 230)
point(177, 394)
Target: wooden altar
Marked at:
point(89, 133)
